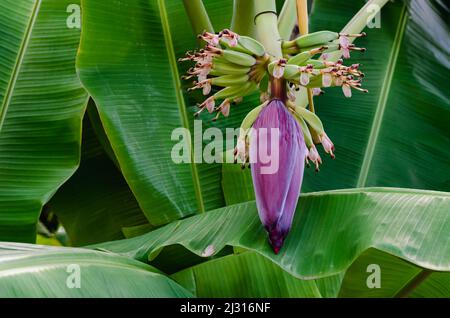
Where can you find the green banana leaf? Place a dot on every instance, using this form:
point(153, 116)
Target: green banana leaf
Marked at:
point(41, 107)
point(237, 184)
point(398, 278)
point(96, 202)
point(397, 135)
point(130, 68)
point(250, 275)
point(330, 230)
point(243, 275)
point(42, 271)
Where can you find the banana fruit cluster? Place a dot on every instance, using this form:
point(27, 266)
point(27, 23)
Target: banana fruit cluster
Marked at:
point(231, 67)
point(299, 67)
point(239, 65)
point(234, 64)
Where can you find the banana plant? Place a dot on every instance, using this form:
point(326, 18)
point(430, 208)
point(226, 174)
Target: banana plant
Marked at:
point(351, 77)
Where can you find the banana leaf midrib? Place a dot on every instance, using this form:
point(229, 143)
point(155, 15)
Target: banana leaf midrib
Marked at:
point(180, 99)
point(383, 98)
point(413, 283)
point(20, 56)
point(398, 278)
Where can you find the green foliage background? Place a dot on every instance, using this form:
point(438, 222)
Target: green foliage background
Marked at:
point(85, 126)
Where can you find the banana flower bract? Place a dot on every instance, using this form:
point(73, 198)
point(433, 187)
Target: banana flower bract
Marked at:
point(276, 132)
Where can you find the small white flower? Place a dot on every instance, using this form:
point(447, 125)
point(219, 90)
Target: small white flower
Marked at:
point(325, 56)
point(233, 42)
point(327, 79)
point(214, 40)
point(338, 80)
point(327, 144)
point(206, 88)
point(304, 78)
point(278, 71)
point(347, 90)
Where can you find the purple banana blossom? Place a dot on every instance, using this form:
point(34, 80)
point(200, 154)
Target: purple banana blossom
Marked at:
point(277, 134)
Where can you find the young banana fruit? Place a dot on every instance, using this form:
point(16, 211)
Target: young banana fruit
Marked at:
point(235, 91)
point(238, 58)
point(301, 59)
point(220, 67)
point(316, 38)
point(245, 45)
point(229, 80)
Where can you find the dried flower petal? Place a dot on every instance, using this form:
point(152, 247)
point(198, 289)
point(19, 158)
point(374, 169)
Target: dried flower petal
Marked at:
point(209, 103)
point(314, 156)
point(327, 144)
point(225, 107)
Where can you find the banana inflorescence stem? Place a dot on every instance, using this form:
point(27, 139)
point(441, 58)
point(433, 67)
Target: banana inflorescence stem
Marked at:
point(266, 24)
point(198, 16)
point(242, 21)
point(278, 88)
point(303, 27)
